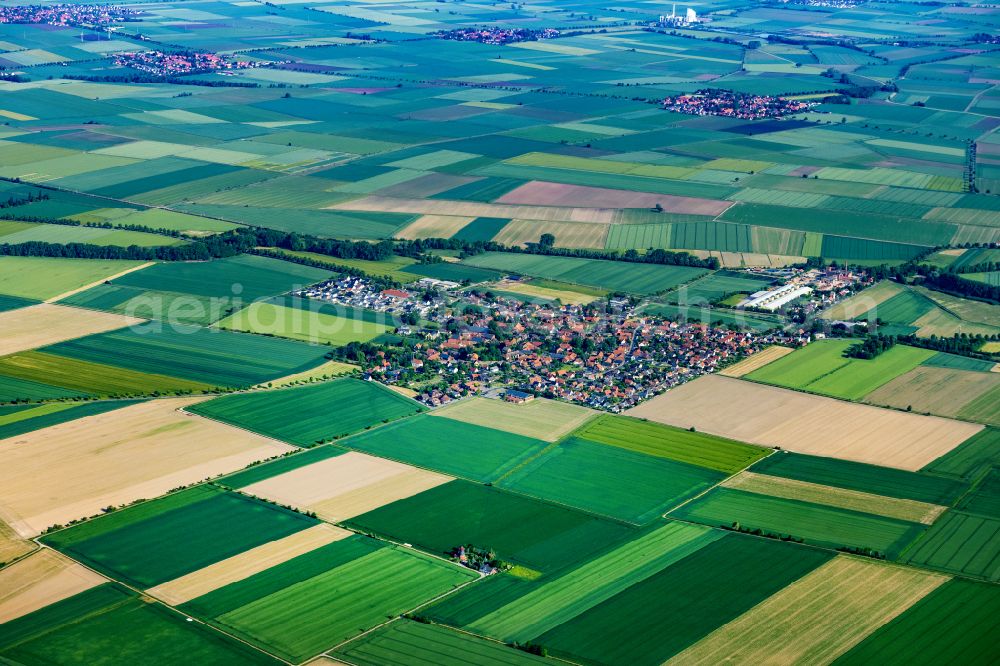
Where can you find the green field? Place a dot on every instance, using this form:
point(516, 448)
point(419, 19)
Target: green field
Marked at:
point(984, 497)
point(64, 233)
point(453, 272)
point(307, 415)
point(814, 523)
point(13, 389)
point(955, 362)
point(616, 276)
point(460, 449)
point(299, 324)
point(287, 609)
point(408, 643)
point(79, 631)
point(161, 305)
point(14, 302)
point(956, 623)
point(561, 599)
point(960, 543)
point(716, 287)
point(862, 477)
point(695, 448)
point(692, 597)
point(609, 480)
point(26, 418)
point(158, 541)
point(204, 356)
point(968, 459)
point(821, 367)
point(42, 277)
point(245, 277)
point(537, 535)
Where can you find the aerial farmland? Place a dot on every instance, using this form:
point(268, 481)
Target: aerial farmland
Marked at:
point(445, 333)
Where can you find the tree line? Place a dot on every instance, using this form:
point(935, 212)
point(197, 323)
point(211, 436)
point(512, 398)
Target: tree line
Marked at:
point(961, 344)
point(247, 239)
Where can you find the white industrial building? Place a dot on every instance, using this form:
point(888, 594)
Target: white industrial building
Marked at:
point(772, 299)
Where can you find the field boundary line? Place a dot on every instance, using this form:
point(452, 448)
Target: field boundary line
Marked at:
point(99, 282)
point(716, 485)
point(411, 611)
point(142, 594)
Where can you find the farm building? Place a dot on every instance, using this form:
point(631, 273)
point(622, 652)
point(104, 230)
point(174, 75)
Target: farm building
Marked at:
point(518, 397)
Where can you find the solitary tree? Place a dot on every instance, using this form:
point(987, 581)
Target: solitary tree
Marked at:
point(547, 240)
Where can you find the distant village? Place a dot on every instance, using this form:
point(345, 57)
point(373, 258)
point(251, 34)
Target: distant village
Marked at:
point(160, 63)
point(710, 102)
point(67, 15)
point(497, 35)
point(454, 341)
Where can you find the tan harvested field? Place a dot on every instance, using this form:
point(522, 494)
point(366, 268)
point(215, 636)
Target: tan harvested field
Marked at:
point(541, 193)
point(246, 564)
point(11, 545)
point(568, 234)
point(46, 324)
point(346, 486)
point(563, 295)
point(806, 423)
point(891, 507)
point(85, 287)
point(402, 390)
point(434, 226)
point(540, 418)
point(41, 579)
point(473, 209)
point(862, 302)
point(758, 360)
point(817, 618)
point(941, 391)
point(73, 470)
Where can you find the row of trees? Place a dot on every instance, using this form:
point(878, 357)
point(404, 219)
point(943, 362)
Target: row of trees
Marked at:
point(961, 344)
point(955, 284)
point(14, 200)
point(982, 267)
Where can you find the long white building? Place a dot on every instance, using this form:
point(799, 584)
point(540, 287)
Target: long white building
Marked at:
point(772, 299)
